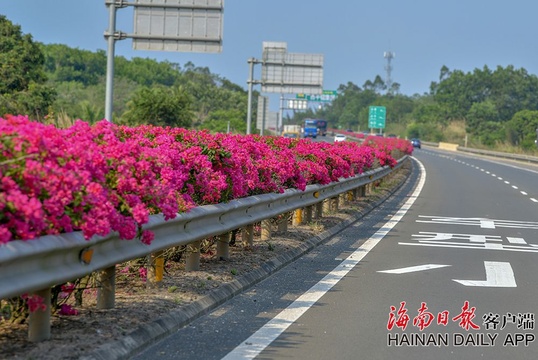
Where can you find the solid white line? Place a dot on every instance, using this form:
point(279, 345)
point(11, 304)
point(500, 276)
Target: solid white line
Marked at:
point(262, 338)
point(413, 269)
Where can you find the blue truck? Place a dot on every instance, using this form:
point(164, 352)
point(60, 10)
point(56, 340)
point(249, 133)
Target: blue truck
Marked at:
point(310, 128)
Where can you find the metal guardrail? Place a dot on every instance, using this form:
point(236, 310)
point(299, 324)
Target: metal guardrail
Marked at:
point(528, 158)
point(33, 265)
point(520, 157)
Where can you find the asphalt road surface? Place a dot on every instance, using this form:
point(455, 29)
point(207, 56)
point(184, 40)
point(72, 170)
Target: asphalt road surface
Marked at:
point(445, 269)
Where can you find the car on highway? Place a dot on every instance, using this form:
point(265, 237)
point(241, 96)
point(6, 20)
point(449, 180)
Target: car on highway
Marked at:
point(339, 137)
point(291, 135)
point(416, 143)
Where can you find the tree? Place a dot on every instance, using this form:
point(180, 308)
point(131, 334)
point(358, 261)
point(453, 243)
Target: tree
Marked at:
point(479, 114)
point(221, 120)
point(22, 88)
point(159, 106)
point(521, 129)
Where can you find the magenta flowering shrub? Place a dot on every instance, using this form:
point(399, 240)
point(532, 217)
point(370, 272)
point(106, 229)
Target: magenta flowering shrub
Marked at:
point(102, 178)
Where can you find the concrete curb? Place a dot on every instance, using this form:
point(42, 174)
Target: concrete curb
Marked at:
point(150, 333)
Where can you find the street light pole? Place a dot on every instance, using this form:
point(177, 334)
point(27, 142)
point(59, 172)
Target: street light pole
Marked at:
point(250, 83)
point(110, 60)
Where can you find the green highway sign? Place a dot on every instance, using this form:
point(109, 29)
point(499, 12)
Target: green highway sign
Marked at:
point(377, 117)
point(325, 96)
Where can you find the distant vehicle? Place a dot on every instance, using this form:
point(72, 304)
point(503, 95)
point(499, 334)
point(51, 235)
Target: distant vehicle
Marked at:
point(310, 128)
point(321, 126)
point(292, 128)
point(416, 143)
point(349, 130)
point(291, 135)
point(339, 137)
point(391, 136)
point(292, 131)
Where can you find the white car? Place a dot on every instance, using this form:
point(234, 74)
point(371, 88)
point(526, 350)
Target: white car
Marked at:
point(339, 137)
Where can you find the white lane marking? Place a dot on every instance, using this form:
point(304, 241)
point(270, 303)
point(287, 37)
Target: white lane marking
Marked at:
point(515, 187)
point(531, 249)
point(524, 193)
point(487, 224)
point(507, 182)
point(498, 274)
point(514, 240)
point(534, 200)
point(262, 338)
point(413, 269)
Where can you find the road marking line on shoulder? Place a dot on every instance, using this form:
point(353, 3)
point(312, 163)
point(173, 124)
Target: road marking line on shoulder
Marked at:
point(413, 269)
point(257, 342)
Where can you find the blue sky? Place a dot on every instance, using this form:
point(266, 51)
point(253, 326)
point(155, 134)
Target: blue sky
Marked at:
point(352, 35)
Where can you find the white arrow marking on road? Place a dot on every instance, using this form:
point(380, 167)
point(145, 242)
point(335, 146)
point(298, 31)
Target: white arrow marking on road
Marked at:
point(413, 269)
point(498, 274)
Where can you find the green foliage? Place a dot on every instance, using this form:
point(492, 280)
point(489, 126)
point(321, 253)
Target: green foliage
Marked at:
point(479, 115)
point(65, 64)
point(426, 131)
point(221, 120)
point(521, 129)
point(22, 88)
point(508, 89)
point(147, 72)
point(159, 106)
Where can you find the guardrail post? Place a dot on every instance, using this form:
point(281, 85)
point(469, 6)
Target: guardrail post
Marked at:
point(327, 205)
point(342, 198)
point(39, 320)
point(247, 234)
point(297, 217)
point(223, 246)
point(266, 229)
point(319, 210)
point(308, 214)
point(155, 269)
point(192, 259)
point(106, 293)
point(283, 223)
point(362, 191)
point(334, 203)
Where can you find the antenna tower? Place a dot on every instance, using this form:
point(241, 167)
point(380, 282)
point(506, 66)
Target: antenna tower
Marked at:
point(389, 55)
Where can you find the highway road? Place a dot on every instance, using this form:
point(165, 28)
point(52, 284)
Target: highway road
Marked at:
point(445, 269)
